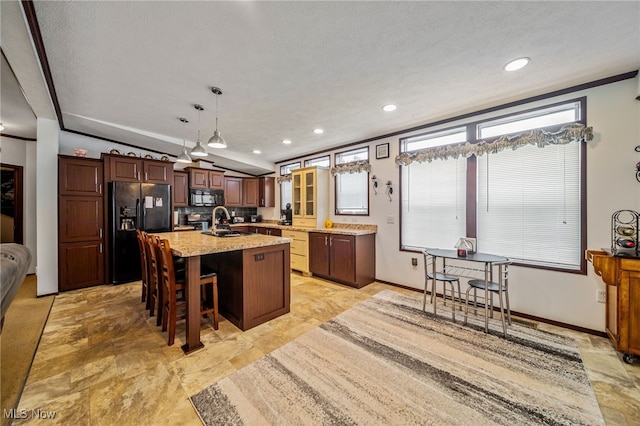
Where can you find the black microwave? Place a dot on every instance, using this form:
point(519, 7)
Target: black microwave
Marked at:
point(201, 197)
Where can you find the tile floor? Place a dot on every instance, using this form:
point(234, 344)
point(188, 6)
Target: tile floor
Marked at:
point(102, 360)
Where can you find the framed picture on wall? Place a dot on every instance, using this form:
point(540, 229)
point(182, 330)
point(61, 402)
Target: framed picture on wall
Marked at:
point(382, 151)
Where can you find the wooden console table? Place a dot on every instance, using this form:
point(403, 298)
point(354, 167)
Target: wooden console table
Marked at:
point(622, 276)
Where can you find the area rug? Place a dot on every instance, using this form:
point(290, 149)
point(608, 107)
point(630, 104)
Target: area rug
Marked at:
point(385, 361)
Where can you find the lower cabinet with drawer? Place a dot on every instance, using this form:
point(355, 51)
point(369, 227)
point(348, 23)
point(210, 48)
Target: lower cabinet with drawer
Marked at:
point(299, 249)
point(348, 259)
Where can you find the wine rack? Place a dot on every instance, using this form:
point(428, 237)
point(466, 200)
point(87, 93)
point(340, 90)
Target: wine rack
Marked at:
point(625, 233)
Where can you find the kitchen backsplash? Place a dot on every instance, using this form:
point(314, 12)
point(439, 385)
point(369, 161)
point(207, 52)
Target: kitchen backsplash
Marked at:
point(205, 213)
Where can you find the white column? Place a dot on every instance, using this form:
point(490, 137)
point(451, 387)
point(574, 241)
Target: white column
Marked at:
point(30, 210)
point(47, 205)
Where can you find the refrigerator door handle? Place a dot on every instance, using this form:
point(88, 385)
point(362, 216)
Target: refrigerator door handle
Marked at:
point(139, 225)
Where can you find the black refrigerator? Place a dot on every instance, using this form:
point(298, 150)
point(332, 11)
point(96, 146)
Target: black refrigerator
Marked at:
point(132, 206)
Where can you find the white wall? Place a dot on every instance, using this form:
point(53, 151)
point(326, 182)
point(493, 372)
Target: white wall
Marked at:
point(614, 114)
point(22, 153)
point(47, 202)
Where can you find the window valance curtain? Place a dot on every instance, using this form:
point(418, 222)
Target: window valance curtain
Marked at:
point(284, 178)
point(353, 167)
point(574, 132)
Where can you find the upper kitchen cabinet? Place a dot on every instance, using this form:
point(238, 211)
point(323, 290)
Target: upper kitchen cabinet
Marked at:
point(233, 191)
point(310, 196)
point(250, 192)
point(180, 189)
point(132, 169)
point(205, 179)
point(80, 176)
point(266, 192)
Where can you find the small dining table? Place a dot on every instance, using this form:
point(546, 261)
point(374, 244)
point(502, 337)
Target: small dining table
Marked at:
point(489, 261)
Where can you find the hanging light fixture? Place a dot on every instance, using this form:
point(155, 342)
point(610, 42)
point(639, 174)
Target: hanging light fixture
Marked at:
point(217, 141)
point(184, 156)
point(199, 150)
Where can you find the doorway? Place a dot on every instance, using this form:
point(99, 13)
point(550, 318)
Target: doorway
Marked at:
point(11, 204)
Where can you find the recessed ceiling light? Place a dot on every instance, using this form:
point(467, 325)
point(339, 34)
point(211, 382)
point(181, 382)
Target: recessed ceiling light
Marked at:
point(257, 151)
point(389, 108)
point(1, 127)
point(318, 131)
point(516, 64)
point(286, 141)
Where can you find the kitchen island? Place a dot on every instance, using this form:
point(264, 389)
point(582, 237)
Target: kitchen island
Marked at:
point(253, 277)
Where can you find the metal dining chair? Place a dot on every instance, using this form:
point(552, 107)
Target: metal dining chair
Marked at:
point(500, 288)
point(447, 279)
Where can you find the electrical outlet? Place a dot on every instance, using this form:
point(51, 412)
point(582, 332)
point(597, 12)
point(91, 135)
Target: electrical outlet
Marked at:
point(390, 219)
point(414, 261)
point(601, 296)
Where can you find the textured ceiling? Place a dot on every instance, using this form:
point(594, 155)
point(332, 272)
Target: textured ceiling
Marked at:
point(128, 70)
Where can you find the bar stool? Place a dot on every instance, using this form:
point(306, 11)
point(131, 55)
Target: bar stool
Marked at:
point(144, 265)
point(171, 285)
point(153, 277)
point(500, 288)
point(446, 279)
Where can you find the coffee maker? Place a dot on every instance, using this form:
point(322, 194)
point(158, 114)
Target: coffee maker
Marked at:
point(286, 214)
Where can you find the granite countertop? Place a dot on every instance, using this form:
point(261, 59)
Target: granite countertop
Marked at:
point(352, 229)
point(195, 243)
point(183, 227)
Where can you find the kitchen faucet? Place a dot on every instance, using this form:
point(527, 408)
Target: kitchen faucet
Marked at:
point(213, 214)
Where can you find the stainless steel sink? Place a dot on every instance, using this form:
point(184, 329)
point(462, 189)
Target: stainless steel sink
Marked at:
point(226, 234)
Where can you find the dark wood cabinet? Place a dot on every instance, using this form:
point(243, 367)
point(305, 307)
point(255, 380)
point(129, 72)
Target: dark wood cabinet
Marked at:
point(132, 169)
point(622, 277)
point(250, 192)
point(205, 179)
point(81, 218)
point(257, 284)
point(216, 180)
point(180, 189)
point(348, 259)
point(157, 171)
point(319, 253)
point(80, 265)
point(266, 192)
point(81, 257)
point(78, 176)
point(265, 231)
point(233, 191)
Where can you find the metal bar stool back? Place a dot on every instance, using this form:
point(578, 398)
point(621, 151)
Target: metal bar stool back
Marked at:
point(501, 287)
point(447, 279)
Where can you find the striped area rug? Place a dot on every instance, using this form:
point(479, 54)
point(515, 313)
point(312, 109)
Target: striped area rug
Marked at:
point(385, 362)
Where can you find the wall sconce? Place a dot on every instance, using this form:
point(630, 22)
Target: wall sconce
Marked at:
point(389, 189)
point(374, 181)
point(638, 165)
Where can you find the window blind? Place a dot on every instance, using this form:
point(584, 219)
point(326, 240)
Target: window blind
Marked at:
point(433, 204)
point(529, 205)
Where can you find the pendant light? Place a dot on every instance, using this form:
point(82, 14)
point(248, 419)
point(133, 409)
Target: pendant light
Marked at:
point(184, 156)
point(199, 150)
point(217, 141)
